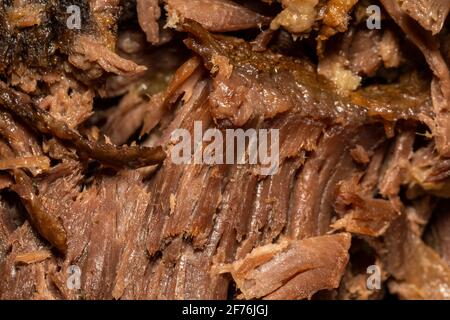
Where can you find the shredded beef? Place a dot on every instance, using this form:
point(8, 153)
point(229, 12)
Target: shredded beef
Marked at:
point(431, 14)
point(148, 15)
point(215, 15)
point(297, 269)
point(88, 176)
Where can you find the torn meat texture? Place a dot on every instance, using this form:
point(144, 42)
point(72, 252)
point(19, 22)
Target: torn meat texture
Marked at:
point(20, 147)
point(174, 219)
point(126, 119)
point(38, 31)
point(316, 185)
point(29, 281)
point(39, 162)
point(362, 214)
point(68, 101)
point(356, 53)
point(292, 269)
point(439, 169)
point(428, 172)
point(104, 15)
point(363, 52)
point(24, 78)
point(409, 260)
point(33, 256)
point(438, 236)
point(441, 84)
point(431, 14)
point(10, 218)
point(23, 15)
point(120, 261)
point(396, 172)
point(440, 93)
point(297, 16)
point(418, 264)
point(183, 84)
point(132, 156)
point(355, 154)
point(48, 224)
point(214, 15)
point(409, 98)
point(160, 64)
point(283, 84)
point(335, 17)
point(148, 15)
point(389, 50)
point(87, 54)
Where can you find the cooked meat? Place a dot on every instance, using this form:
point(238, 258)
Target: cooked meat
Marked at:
point(34, 256)
point(30, 280)
point(292, 269)
point(42, 121)
point(397, 166)
point(272, 92)
point(126, 119)
point(363, 54)
point(297, 16)
point(215, 15)
point(439, 232)
point(335, 17)
point(47, 223)
point(358, 53)
point(87, 52)
point(68, 101)
point(40, 162)
point(148, 16)
point(362, 214)
point(25, 15)
point(389, 50)
point(412, 264)
point(360, 155)
point(354, 173)
point(441, 85)
point(409, 98)
point(431, 14)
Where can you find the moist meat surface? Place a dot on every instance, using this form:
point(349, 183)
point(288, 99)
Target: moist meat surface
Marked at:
point(87, 178)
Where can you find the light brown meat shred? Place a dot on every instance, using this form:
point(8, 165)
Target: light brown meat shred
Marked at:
point(215, 15)
point(431, 14)
point(292, 269)
point(148, 15)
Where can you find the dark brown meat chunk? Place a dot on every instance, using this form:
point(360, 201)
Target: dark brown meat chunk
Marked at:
point(439, 236)
point(37, 118)
point(283, 84)
point(292, 269)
